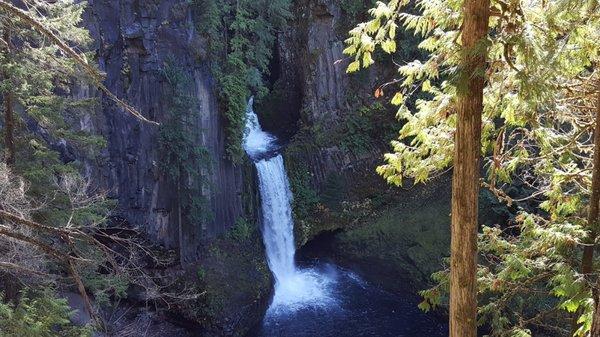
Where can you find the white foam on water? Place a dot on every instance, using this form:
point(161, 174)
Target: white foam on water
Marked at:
point(295, 288)
point(256, 141)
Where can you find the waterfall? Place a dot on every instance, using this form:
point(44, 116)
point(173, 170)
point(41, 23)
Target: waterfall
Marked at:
point(278, 233)
point(294, 288)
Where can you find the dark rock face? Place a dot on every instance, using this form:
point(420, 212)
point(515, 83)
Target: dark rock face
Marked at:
point(312, 47)
point(310, 53)
point(324, 77)
point(396, 236)
point(133, 39)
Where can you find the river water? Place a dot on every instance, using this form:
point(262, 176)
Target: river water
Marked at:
point(316, 298)
point(360, 309)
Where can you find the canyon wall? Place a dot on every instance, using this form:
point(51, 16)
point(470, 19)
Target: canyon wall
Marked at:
point(313, 98)
point(133, 39)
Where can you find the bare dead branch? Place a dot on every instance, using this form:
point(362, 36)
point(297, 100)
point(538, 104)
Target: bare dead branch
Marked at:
point(22, 269)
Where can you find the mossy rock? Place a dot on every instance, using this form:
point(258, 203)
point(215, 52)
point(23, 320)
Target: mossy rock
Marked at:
point(236, 284)
point(402, 246)
point(403, 236)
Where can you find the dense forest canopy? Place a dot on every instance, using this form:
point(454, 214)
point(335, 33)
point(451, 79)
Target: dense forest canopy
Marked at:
point(504, 94)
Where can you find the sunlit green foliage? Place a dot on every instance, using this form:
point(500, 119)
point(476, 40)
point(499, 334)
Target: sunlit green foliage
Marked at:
point(537, 123)
point(305, 197)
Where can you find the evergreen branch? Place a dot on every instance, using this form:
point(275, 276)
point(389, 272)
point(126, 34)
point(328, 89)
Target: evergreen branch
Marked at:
point(78, 58)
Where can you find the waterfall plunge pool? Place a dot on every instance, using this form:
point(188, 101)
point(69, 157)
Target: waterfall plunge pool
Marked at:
point(318, 299)
point(356, 309)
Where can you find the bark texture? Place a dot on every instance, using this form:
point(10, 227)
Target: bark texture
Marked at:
point(596, 319)
point(465, 180)
point(588, 252)
point(9, 138)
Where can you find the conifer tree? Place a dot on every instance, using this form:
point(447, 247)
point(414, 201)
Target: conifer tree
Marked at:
point(41, 53)
point(537, 123)
point(588, 252)
point(465, 177)
point(52, 223)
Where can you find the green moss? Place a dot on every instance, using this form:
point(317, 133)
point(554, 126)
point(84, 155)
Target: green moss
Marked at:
point(201, 273)
point(241, 231)
point(401, 238)
point(305, 197)
point(310, 214)
point(234, 279)
point(409, 244)
point(334, 191)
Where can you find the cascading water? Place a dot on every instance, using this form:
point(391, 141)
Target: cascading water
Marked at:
point(294, 288)
point(323, 300)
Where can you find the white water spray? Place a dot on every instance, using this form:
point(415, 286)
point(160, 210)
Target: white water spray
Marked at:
point(294, 288)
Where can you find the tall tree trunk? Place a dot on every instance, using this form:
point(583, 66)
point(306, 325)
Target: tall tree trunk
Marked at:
point(465, 180)
point(592, 219)
point(9, 125)
point(588, 251)
point(596, 318)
